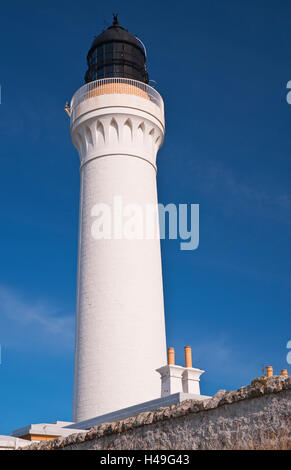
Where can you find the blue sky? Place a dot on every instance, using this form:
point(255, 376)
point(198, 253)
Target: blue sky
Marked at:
point(222, 69)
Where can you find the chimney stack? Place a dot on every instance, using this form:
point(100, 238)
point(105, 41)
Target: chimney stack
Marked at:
point(191, 376)
point(177, 379)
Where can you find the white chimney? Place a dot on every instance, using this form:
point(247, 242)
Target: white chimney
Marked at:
point(191, 380)
point(177, 379)
point(191, 376)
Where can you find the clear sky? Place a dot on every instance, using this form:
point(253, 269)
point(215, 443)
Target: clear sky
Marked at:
point(222, 69)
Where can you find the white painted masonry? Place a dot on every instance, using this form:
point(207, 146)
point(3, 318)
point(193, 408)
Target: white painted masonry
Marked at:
point(177, 379)
point(12, 443)
point(191, 380)
point(120, 330)
point(59, 428)
point(171, 379)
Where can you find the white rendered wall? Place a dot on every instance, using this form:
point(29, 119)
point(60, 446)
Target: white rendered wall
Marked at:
point(120, 330)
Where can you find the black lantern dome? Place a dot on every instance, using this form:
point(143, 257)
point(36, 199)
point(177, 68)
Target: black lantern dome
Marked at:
point(116, 53)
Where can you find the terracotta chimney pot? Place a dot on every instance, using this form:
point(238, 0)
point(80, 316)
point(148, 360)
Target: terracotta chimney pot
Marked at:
point(188, 356)
point(269, 371)
point(171, 356)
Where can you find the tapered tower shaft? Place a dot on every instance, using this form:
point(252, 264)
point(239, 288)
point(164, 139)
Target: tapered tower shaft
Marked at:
point(117, 126)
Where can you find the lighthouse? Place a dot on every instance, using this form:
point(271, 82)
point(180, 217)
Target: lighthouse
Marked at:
point(117, 126)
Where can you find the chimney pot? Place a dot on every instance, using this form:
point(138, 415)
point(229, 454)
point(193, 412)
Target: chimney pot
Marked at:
point(171, 356)
point(284, 372)
point(269, 371)
point(188, 356)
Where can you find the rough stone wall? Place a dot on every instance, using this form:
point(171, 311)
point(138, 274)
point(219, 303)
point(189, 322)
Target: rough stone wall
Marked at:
point(252, 417)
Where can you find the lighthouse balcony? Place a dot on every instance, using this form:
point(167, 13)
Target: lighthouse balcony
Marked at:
point(116, 92)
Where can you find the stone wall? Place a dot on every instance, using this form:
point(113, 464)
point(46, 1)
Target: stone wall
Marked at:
point(253, 417)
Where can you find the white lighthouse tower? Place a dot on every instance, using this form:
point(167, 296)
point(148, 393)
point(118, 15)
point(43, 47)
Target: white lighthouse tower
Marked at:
point(117, 126)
